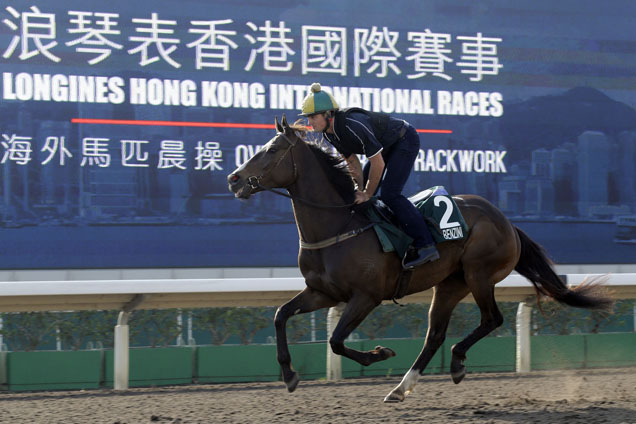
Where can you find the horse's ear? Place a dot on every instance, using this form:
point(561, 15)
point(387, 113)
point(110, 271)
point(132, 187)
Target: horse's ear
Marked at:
point(279, 127)
point(288, 128)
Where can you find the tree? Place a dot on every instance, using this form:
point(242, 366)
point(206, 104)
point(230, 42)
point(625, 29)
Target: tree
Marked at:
point(215, 321)
point(26, 331)
point(376, 324)
point(509, 326)
point(77, 328)
point(104, 328)
point(600, 319)
point(554, 318)
point(160, 326)
point(298, 326)
point(246, 322)
point(414, 317)
point(465, 318)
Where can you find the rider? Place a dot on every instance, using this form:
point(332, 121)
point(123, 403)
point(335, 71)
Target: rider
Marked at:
point(391, 146)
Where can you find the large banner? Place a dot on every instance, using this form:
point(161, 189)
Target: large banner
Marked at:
point(120, 120)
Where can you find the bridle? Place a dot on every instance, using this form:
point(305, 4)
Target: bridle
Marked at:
point(254, 180)
point(254, 183)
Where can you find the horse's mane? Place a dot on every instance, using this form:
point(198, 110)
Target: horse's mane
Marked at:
point(331, 162)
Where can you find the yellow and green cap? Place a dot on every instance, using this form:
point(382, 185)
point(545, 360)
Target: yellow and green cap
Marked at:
point(318, 101)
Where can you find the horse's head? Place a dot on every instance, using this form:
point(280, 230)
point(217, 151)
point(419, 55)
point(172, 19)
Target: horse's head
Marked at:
point(272, 167)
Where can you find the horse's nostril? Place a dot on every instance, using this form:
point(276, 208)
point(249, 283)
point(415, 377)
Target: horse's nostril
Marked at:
point(234, 178)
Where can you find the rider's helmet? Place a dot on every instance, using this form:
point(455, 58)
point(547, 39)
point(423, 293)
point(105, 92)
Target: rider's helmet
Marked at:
point(318, 101)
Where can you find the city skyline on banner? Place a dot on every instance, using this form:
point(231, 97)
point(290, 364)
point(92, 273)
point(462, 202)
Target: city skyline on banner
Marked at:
point(120, 124)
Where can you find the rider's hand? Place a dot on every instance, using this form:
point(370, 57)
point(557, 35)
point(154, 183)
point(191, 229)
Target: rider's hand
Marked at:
point(361, 197)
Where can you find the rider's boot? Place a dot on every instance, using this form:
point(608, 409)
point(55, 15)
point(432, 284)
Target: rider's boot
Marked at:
point(416, 257)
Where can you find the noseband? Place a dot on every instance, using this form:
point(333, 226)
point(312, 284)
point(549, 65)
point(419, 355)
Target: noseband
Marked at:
point(254, 181)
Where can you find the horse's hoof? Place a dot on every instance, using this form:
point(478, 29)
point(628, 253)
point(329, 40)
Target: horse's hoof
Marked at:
point(394, 397)
point(293, 382)
point(385, 352)
point(458, 375)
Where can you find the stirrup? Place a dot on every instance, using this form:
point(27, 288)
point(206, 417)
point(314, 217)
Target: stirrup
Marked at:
point(415, 258)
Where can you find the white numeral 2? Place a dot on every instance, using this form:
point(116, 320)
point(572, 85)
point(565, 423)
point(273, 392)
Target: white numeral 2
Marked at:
point(443, 224)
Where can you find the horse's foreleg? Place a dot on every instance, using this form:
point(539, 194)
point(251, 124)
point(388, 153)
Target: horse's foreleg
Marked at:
point(354, 313)
point(307, 300)
point(491, 318)
point(445, 297)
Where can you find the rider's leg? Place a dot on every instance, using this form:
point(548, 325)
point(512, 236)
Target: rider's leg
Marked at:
point(398, 165)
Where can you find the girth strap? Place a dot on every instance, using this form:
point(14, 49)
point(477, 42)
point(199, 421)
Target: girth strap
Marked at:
point(333, 240)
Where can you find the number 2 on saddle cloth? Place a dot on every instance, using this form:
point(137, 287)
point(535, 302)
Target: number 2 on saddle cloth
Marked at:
point(437, 207)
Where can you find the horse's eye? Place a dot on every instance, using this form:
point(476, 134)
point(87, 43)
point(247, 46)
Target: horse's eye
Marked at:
point(272, 150)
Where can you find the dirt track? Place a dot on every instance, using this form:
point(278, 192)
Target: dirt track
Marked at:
point(590, 397)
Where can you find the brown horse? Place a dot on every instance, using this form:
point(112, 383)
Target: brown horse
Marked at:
point(352, 268)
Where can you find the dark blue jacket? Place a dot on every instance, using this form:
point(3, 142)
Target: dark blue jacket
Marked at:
point(362, 132)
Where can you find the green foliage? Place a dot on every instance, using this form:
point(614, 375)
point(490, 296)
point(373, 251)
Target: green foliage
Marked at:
point(414, 317)
point(509, 326)
point(465, 318)
point(77, 328)
point(104, 328)
point(26, 331)
point(215, 321)
point(246, 322)
point(222, 323)
point(376, 324)
point(298, 326)
point(555, 318)
point(30, 331)
point(158, 327)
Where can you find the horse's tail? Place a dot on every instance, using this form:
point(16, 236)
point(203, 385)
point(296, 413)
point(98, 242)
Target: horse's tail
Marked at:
point(535, 265)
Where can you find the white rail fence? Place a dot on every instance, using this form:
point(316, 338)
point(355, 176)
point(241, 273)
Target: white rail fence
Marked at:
point(131, 294)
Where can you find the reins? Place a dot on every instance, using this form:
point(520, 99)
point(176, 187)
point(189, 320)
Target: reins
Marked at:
point(254, 183)
point(300, 199)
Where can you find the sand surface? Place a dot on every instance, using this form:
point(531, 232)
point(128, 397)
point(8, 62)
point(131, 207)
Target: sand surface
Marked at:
point(576, 396)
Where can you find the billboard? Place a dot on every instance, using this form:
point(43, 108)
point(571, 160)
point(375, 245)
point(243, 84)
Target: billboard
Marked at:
point(119, 121)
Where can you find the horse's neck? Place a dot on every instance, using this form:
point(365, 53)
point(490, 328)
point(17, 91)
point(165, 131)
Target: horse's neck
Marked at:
point(312, 184)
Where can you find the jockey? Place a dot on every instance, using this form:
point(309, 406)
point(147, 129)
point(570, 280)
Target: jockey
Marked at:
point(391, 146)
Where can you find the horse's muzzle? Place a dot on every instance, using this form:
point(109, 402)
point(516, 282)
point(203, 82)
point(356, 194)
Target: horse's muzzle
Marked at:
point(238, 186)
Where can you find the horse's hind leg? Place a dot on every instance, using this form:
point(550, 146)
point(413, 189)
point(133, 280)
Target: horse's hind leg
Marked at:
point(354, 313)
point(307, 300)
point(491, 318)
point(446, 295)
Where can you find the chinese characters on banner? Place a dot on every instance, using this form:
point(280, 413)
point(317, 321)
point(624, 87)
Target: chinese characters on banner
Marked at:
point(98, 152)
point(97, 37)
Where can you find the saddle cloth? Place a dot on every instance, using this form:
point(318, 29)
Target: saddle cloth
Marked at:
point(443, 217)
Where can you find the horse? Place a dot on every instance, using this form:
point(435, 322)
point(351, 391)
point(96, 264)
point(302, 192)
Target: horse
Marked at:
point(343, 262)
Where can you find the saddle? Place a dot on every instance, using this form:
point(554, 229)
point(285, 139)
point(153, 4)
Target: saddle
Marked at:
point(443, 217)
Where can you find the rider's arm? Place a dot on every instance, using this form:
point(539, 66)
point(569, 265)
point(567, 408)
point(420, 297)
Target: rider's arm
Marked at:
point(375, 174)
point(356, 169)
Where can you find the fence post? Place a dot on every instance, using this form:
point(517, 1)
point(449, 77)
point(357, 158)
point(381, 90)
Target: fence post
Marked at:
point(524, 318)
point(58, 338)
point(179, 341)
point(121, 352)
point(334, 362)
point(121, 344)
point(3, 366)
